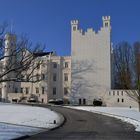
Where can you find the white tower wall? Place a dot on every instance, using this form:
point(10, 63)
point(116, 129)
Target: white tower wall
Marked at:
point(91, 70)
point(10, 47)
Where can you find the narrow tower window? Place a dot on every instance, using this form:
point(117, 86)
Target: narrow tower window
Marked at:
point(106, 24)
point(74, 28)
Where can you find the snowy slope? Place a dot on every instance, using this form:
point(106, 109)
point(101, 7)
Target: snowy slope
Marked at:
point(20, 120)
point(28, 115)
point(9, 131)
point(130, 115)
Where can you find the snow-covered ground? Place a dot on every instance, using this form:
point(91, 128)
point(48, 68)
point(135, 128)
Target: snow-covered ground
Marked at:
point(20, 120)
point(130, 115)
point(9, 131)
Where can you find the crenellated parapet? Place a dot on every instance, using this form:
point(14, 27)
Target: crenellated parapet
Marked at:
point(106, 25)
point(74, 22)
point(106, 18)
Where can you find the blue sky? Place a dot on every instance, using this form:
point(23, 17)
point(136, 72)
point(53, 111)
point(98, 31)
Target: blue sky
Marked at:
point(48, 21)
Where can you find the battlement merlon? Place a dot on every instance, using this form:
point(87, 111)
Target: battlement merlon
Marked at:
point(106, 18)
point(74, 22)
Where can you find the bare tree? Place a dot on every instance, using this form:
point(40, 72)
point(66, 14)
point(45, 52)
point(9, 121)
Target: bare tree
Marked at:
point(135, 94)
point(26, 60)
point(127, 69)
point(122, 66)
point(19, 65)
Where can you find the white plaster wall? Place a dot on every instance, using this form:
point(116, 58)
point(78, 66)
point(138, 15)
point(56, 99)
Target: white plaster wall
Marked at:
point(60, 83)
point(111, 99)
point(90, 49)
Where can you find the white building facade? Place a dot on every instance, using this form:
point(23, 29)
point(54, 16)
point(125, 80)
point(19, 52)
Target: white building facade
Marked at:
point(78, 79)
point(91, 53)
point(54, 72)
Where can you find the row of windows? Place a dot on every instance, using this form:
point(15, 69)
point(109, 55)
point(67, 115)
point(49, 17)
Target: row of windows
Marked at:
point(118, 93)
point(43, 77)
point(43, 90)
point(66, 65)
point(120, 100)
point(66, 90)
point(37, 76)
point(37, 90)
point(80, 101)
point(66, 77)
point(21, 90)
point(84, 101)
point(27, 90)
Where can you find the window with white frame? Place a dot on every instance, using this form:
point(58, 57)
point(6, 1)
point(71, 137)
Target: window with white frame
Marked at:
point(21, 90)
point(43, 89)
point(54, 90)
point(54, 77)
point(65, 76)
point(37, 90)
point(66, 64)
point(113, 93)
point(118, 93)
point(27, 90)
point(16, 90)
point(66, 91)
point(122, 93)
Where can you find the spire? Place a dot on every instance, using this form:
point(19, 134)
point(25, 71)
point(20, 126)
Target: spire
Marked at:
point(11, 26)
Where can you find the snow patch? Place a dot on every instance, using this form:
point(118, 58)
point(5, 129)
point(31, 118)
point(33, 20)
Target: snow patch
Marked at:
point(9, 131)
point(20, 120)
point(28, 116)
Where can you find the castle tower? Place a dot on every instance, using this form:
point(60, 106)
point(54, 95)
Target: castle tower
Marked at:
point(9, 61)
point(91, 61)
